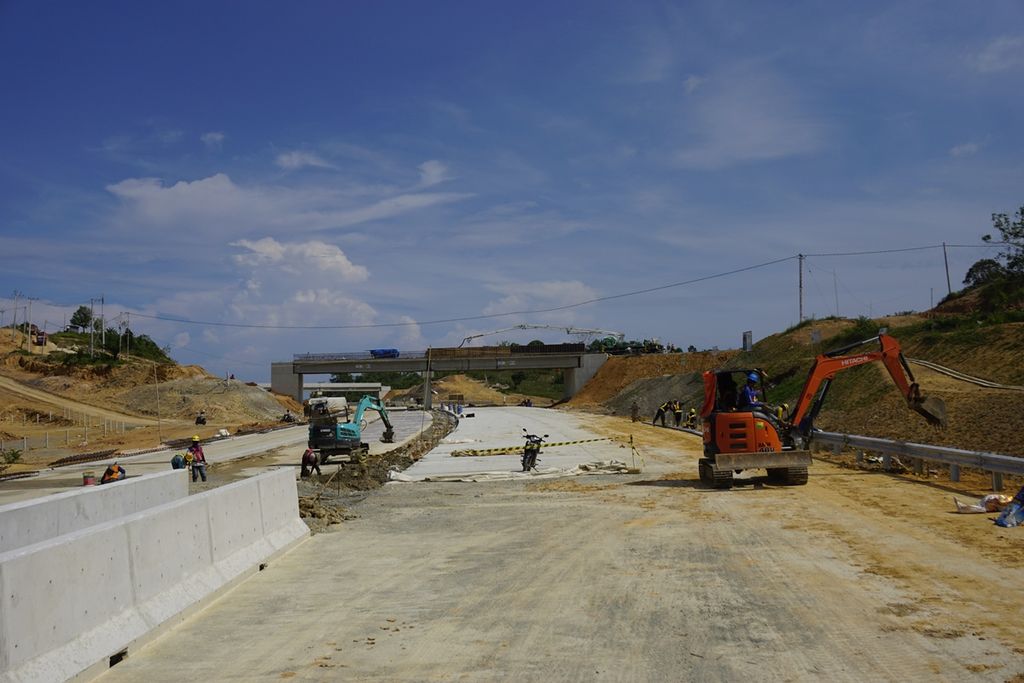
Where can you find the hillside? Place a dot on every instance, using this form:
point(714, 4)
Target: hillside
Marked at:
point(64, 405)
point(862, 400)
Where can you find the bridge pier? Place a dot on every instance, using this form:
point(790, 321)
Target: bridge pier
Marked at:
point(575, 378)
point(284, 380)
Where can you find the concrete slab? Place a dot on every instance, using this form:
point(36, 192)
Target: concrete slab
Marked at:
point(502, 426)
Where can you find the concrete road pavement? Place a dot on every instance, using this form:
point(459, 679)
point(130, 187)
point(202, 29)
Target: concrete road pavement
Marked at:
point(622, 578)
point(497, 427)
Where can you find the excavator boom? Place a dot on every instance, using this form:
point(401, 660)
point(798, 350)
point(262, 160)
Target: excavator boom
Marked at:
point(828, 364)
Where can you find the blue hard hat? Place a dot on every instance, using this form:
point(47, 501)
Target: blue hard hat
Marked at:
point(753, 377)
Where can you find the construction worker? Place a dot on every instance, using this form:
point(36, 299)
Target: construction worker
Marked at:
point(662, 409)
point(113, 473)
point(198, 459)
point(691, 418)
point(677, 412)
point(634, 412)
point(178, 462)
point(748, 399)
point(310, 463)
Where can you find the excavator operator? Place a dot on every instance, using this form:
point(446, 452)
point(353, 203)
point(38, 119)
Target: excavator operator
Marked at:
point(748, 399)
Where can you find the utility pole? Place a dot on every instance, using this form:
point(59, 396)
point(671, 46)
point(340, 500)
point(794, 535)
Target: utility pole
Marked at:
point(28, 323)
point(92, 328)
point(14, 320)
point(128, 330)
point(835, 290)
point(945, 257)
point(159, 433)
point(103, 325)
point(427, 403)
point(800, 259)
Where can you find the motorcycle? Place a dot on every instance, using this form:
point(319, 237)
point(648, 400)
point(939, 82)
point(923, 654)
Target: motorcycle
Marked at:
point(201, 419)
point(531, 449)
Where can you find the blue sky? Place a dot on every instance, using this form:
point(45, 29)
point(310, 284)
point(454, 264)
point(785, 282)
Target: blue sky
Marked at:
point(324, 163)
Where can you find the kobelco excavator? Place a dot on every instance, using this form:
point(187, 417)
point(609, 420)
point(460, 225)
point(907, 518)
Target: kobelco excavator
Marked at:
point(331, 432)
point(740, 436)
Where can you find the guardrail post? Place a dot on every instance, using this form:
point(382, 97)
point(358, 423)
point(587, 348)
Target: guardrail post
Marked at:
point(886, 462)
point(67, 437)
point(46, 439)
point(954, 472)
point(918, 466)
point(860, 457)
point(24, 444)
point(997, 481)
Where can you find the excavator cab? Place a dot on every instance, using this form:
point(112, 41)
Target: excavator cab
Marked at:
point(738, 437)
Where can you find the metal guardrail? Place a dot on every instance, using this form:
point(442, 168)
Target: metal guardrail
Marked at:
point(956, 458)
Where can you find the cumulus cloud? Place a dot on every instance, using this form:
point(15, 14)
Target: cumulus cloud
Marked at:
point(298, 258)
point(744, 116)
point(433, 172)
point(213, 140)
point(964, 150)
point(1001, 54)
point(292, 161)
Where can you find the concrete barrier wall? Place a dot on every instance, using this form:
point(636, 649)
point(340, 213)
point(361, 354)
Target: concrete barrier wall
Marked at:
point(32, 521)
point(70, 603)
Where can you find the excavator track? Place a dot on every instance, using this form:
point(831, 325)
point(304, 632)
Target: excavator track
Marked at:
point(719, 479)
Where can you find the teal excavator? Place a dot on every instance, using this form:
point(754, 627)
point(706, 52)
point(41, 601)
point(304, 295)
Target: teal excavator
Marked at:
point(332, 431)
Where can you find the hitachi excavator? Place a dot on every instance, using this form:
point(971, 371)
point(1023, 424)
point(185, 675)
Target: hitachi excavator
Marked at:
point(762, 436)
point(331, 432)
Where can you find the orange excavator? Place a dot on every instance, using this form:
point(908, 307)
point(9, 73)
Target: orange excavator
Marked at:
point(739, 435)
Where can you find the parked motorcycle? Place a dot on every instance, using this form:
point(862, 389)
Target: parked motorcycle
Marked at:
point(531, 449)
point(201, 418)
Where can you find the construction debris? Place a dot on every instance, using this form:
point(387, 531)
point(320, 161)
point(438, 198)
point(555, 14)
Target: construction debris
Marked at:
point(994, 502)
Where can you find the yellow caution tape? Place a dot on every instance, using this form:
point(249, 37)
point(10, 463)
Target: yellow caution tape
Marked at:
point(507, 450)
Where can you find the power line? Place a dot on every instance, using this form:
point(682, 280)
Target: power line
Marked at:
point(472, 317)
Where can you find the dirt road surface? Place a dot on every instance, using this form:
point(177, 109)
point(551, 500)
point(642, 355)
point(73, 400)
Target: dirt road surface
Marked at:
point(856, 576)
point(26, 393)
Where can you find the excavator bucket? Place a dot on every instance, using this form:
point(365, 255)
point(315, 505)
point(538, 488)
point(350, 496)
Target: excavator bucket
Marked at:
point(932, 409)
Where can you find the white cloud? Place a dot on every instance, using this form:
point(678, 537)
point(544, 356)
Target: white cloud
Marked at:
point(964, 150)
point(744, 116)
point(298, 258)
point(692, 83)
point(519, 296)
point(433, 172)
point(1001, 54)
point(216, 208)
point(292, 161)
point(213, 140)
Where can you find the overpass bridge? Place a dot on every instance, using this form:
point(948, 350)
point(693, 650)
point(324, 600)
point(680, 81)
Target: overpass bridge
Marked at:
point(578, 365)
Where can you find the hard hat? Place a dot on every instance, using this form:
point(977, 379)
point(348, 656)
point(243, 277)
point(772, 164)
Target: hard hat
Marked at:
point(195, 438)
point(753, 377)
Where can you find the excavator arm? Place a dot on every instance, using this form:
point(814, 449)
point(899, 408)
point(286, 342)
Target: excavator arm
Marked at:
point(371, 403)
point(827, 365)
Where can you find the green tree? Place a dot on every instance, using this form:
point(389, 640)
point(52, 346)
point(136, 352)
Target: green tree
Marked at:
point(983, 272)
point(81, 318)
point(517, 378)
point(1012, 234)
point(8, 457)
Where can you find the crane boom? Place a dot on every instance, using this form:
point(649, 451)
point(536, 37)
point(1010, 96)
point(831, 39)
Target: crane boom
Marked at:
point(528, 326)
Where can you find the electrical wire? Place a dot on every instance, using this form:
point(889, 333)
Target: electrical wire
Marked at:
point(472, 317)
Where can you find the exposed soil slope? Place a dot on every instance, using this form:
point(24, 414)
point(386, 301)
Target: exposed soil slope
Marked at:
point(862, 400)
